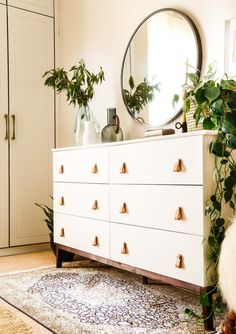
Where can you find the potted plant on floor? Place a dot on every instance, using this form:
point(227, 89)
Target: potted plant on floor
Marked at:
point(215, 108)
point(49, 219)
point(79, 87)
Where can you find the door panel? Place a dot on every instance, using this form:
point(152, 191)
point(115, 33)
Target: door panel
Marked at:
point(38, 6)
point(30, 55)
point(3, 142)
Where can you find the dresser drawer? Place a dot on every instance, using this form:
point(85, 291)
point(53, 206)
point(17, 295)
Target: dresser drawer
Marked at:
point(154, 162)
point(87, 235)
point(159, 251)
point(174, 208)
point(87, 200)
point(81, 165)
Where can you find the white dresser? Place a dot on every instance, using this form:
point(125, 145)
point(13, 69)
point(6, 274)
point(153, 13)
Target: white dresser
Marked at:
point(137, 205)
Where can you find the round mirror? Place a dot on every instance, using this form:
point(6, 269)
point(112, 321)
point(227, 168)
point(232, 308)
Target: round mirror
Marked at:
point(164, 47)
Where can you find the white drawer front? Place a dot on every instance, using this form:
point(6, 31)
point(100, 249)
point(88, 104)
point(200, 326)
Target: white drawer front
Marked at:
point(174, 208)
point(153, 162)
point(82, 165)
point(87, 200)
point(91, 236)
point(157, 251)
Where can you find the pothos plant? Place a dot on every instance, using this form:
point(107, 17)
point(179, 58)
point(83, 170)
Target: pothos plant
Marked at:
point(215, 108)
point(138, 96)
point(78, 84)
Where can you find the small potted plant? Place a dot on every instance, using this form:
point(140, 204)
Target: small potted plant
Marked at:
point(79, 87)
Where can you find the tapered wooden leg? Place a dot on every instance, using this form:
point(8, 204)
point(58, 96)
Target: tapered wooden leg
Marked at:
point(229, 323)
point(207, 311)
point(145, 280)
point(59, 255)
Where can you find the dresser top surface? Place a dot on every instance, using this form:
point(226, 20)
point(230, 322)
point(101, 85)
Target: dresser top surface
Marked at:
point(141, 140)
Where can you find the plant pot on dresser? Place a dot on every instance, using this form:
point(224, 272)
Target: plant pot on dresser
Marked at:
point(138, 205)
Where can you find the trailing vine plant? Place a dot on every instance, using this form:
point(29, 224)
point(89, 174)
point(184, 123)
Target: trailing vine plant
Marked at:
point(215, 108)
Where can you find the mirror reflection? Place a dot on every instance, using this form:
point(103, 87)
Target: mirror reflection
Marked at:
point(155, 64)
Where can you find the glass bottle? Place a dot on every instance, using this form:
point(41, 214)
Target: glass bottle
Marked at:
point(83, 117)
point(112, 131)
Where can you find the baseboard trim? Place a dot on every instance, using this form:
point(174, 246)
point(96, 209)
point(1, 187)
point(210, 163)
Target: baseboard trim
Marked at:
point(24, 249)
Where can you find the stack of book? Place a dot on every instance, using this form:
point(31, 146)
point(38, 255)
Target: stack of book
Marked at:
point(158, 132)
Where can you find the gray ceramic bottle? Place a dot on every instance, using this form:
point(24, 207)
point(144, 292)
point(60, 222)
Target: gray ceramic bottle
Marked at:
point(112, 131)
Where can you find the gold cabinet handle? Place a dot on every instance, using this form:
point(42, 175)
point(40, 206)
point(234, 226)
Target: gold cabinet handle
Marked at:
point(62, 201)
point(123, 169)
point(178, 166)
point(124, 249)
point(179, 214)
point(61, 169)
point(13, 137)
point(95, 241)
point(94, 169)
point(6, 121)
point(95, 205)
point(62, 232)
point(179, 261)
point(124, 208)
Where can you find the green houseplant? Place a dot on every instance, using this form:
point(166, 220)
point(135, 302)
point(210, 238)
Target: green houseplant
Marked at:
point(49, 219)
point(138, 96)
point(215, 108)
point(78, 84)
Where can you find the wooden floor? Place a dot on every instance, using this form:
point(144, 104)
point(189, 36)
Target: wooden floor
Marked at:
point(16, 263)
point(27, 261)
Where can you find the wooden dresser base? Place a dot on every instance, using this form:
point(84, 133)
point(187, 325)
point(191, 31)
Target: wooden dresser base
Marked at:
point(207, 310)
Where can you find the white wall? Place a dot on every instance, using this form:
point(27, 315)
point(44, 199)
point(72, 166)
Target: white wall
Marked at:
point(98, 31)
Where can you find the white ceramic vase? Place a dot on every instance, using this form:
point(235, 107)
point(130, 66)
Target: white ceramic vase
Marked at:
point(89, 134)
point(79, 128)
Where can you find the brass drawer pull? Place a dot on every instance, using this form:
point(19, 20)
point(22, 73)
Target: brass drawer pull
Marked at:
point(13, 117)
point(123, 169)
point(61, 170)
point(179, 214)
point(124, 208)
point(62, 232)
point(95, 205)
point(95, 241)
point(124, 249)
point(178, 166)
point(94, 169)
point(62, 202)
point(179, 261)
point(6, 120)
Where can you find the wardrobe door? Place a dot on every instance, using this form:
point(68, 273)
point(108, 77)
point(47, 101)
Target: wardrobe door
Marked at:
point(39, 6)
point(3, 130)
point(31, 124)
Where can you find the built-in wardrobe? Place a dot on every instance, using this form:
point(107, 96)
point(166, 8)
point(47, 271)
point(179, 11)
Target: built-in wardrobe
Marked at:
point(27, 118)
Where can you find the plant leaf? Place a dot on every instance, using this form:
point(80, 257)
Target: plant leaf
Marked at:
point(208, 124)
point(212, 93)
point(231, 141)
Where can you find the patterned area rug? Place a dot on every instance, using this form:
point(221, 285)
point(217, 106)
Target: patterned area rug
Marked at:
point(10, 324)
point(97, 299)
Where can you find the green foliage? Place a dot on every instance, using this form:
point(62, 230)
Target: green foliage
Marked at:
point(49, 215)
point(215, 102)
point(78, 83)
point(137, 97)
